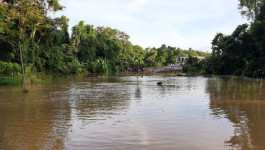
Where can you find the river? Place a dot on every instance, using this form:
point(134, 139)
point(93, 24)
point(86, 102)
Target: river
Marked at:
point(134, 113)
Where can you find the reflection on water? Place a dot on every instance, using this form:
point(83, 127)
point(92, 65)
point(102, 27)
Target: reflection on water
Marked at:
point(131, 112)
point(38, 120)
point(246, 110)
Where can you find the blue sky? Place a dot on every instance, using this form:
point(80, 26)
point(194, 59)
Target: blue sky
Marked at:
point(151, 23)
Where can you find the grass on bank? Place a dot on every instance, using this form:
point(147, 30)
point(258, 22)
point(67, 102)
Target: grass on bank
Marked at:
point(232, 86)
point(31, 76)
point(11, 80)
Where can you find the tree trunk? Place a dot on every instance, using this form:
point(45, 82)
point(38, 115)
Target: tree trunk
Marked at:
point(22, 64)
point(255, 10)
point(1, 1)
point(22, 67)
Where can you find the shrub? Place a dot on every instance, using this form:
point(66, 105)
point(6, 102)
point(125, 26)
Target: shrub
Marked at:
point(9, 69)
point(11, 80)
point(31, 75)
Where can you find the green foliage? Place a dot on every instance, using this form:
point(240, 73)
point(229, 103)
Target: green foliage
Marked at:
point(164, 55)
point(2, 21)
point(34, 77)
point(95, 45)
point(48, 49)
point(250, 8)
point(11, 80)
point(261, 83)
point(9, 69)
point(251, 87)
point(31, 75)
point(236, 87)
point(242, 52)
point(194, 66)
point(100, 66)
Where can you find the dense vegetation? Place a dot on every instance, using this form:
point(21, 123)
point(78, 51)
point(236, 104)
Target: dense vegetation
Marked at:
point(242, 52)
point(47, 47)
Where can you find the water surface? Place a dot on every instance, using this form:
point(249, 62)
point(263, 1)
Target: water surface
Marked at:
point(134, 113)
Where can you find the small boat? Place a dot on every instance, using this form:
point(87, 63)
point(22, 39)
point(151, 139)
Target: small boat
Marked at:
point(159, 83)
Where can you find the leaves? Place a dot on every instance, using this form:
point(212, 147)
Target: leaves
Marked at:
point(250, 8)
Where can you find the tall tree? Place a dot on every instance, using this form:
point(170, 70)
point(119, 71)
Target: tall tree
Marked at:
point(250, 8)
point(26, 18)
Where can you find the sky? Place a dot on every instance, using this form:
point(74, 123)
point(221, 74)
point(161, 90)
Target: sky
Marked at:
point(151, 23)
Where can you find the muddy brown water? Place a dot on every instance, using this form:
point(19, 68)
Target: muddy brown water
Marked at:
point(133, 113)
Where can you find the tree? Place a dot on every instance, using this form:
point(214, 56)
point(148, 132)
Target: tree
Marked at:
point(258, 32)
point(172, 55)
point(25, 19)
point(85, 42)
point(216, 46)
point(150, 58)
point(250, 8)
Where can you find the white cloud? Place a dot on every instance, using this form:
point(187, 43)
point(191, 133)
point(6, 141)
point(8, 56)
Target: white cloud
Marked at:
point(189, 23)
point(137, 5)
point(74, 5)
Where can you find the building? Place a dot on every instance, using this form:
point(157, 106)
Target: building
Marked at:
point(183, 59)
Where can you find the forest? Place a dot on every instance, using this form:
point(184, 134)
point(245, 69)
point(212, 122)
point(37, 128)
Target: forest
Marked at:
point(48, 49)
point(42, 46)
point(243, 52)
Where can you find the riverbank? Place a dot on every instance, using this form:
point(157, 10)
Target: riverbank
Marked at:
point(30, 79)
